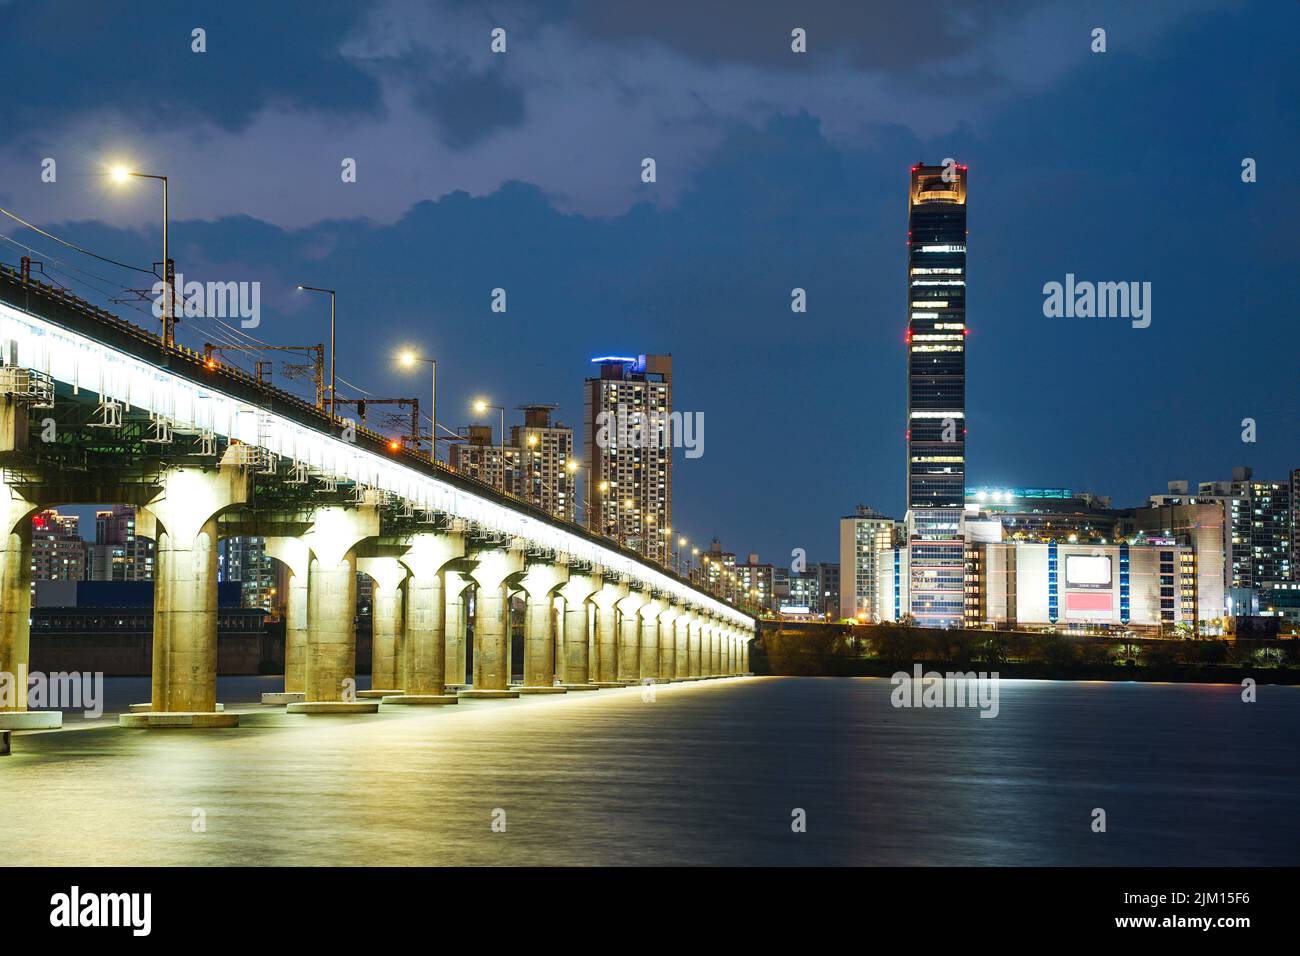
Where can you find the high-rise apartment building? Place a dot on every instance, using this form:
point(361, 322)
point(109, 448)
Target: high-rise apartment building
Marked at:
point(546, 471)
point(865, 537)
point(756, 584)
point(58, 552)
point(244, 560)
point(118, 553)
point(936, 393)
point(480, 456)
point(1260, 526)
point(628, 451)
point(538, 459)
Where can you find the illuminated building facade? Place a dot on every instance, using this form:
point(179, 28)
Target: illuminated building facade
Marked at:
point(628, 452)
point(1145, 588)
point(546, 472)
point(936, 394)
point(865, 535)
point(58, 552)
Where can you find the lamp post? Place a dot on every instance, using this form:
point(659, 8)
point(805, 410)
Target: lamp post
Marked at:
point(312, 288)
point(410, 359)
point(121, 174)
point(482, 406)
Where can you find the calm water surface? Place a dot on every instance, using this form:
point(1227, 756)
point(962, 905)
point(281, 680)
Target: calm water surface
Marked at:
point(706, 773)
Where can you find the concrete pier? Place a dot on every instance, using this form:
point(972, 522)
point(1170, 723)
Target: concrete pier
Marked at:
point(648, 664)
point(296, 557)
point(576, 641)
point(540, 584)
point(387, 623)
point(629, 636)
point(185, 590)
point(491, 618)
point(330, 667)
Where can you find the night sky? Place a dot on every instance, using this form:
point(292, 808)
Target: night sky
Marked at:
point(775, 170)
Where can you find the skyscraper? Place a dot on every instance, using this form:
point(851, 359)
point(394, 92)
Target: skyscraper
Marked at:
point(628, 449)
point(936, 392)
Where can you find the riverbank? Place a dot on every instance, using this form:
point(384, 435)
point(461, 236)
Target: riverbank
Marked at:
point(883, 650)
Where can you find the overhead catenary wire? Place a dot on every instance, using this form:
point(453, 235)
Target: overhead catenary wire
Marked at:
point(71, 245)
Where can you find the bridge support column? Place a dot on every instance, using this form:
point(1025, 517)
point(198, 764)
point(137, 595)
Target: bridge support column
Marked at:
point(668, 641)
point(682, 654)
point(744, 653)
point(330, 665)
point(648, 664)
point(605, 639)
point(629, 637)
point(425, 644)
point(296, 556)
point(492, 621)
point(455, 585)
point(539, 585)
point(388, 627)
point(715, 654)
point(577, 659)
point(15, 617)
point(185, 597)
point(695, 661)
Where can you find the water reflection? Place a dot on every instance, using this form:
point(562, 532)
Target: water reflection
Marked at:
point(707, 773)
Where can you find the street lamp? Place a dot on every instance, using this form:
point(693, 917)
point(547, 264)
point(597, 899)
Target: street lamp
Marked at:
point(121, 174)
point(312, 288)
point(482, 406)
point(410, 359)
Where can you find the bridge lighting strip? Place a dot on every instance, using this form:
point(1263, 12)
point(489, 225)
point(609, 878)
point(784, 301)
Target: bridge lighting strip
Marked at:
point(87, 365)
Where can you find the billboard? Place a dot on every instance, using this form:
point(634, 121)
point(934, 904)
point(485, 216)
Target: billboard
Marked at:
point(1087, 571)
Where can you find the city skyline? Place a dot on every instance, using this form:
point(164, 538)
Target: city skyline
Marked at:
point(837, 233)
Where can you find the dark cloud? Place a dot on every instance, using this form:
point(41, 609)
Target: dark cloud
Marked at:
point(469, 105)
point(887, 36)
point(64, 58)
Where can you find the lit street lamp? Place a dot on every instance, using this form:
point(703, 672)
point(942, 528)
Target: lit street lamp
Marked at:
point(410, 359)
point(312, 288)
point(482, 406)
point(121, 174)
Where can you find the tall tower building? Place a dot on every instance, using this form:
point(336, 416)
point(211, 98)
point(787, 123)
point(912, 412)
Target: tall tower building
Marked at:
point(628, 450)
point(936, 392)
